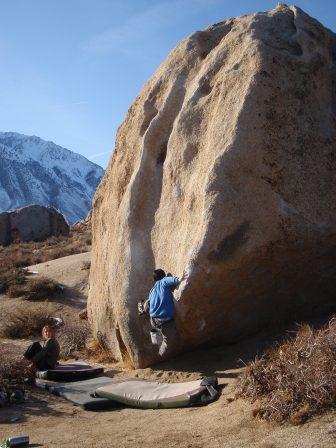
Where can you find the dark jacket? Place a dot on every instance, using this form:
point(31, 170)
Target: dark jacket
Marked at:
point(50, 353)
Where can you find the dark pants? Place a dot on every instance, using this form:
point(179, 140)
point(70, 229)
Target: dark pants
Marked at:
point(33, 350)
point(168, 334)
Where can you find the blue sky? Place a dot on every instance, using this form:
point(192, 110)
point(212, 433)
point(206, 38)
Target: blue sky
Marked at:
point(71, 68)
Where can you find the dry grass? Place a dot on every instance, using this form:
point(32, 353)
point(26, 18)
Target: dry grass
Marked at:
point(296, 379)
point(26, 321)
point(19, 255)
point(100, 353)
point(37, 289)
point(13, 371)
point(10, 277)
point(127, 361)
point(73, 337)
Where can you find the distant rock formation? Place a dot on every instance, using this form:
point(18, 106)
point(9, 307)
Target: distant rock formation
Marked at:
point(225, 166)
point(84, 224)
point(31, 223)
point(34, 171)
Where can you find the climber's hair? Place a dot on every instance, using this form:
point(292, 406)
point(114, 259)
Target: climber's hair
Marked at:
point(158, 274)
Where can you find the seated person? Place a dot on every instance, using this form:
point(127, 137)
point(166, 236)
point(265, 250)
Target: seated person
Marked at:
point(46, 357)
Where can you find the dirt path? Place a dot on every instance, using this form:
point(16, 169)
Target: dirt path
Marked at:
point(68, 271)
point(71, 272)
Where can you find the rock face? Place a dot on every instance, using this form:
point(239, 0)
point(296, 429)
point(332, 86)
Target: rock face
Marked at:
point(224, 166)
point(32, 223)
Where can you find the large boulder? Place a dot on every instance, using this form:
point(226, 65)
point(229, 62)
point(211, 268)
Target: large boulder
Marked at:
point(32, 223)
point(224, 166)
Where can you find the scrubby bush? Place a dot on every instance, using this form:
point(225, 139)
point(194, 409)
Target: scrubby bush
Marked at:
point(13, 370)
point(296, 379)
point(21, 254)
point(15, 257)
point(26, 321)
point(99, 352)
point(73, 337)
point(41, 288)
point(10, 277)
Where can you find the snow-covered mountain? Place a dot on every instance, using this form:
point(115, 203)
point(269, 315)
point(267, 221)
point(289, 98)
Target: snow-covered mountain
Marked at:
point(34, 171)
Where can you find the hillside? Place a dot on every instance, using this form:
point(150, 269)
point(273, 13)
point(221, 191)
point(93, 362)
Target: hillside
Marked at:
point(34, 171)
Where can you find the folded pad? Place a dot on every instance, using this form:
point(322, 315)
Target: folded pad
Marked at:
point(147, 394)
point(80, 392)
point(70, 372)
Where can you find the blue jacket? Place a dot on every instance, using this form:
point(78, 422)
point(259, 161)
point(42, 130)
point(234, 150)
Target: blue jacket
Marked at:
point(161, 299)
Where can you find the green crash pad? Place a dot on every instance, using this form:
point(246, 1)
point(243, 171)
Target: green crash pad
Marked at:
point(149, 394)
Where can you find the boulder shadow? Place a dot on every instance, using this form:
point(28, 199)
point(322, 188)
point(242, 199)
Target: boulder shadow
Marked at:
point(226, 361)
point(36, 405)
point(71, 297)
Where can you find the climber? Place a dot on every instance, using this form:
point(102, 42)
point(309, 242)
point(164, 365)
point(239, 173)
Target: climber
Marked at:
point(160, 304)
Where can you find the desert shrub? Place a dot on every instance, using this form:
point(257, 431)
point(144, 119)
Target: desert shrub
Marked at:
point(26, 321)
point(86, 265)
point(13, 370)
point(99, 352)
point(72, 338)
point(126, 359)
point(296, 379)
point(18, 257)
point(19, 254)
point(10, 277)
point(41, 288)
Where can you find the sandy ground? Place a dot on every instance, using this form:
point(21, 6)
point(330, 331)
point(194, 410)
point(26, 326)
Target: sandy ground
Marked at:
point(53, 422)
point(69, 273)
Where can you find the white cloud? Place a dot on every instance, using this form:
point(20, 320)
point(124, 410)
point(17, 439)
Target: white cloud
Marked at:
point(129, 36)
point(99, 154)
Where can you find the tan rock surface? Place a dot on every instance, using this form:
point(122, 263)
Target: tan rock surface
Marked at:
point(224, 165)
